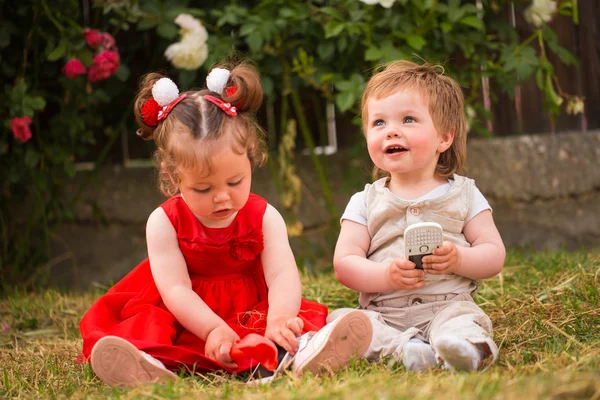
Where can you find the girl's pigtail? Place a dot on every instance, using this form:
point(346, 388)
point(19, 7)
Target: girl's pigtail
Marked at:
point(145, 131)
point(248, 93)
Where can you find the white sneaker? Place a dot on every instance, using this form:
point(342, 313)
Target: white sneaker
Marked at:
point(335, 344)
point(418, 356)
point(119, 363)
point(458, 353)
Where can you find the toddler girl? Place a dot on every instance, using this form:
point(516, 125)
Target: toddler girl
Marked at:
point(415, 128)
point(219, 263)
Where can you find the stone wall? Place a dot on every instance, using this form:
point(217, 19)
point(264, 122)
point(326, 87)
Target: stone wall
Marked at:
point(545, 191)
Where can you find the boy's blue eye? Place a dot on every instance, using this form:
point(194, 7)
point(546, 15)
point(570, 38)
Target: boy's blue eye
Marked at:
point(379, 122)
point(409, 120)
point(202, 190)
point(235, 183)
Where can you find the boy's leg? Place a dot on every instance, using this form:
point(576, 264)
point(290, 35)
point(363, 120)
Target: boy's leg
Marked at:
point(389, 341)
point(461, 335)
point(119, 363)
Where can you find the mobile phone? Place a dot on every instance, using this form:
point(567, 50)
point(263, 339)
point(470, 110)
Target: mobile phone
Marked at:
point(420, 239)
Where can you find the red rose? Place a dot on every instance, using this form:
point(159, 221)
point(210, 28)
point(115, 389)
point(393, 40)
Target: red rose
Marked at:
point(247, 248)
point(74, 68)
point(20, 128)
point(93, 37)
point(104, 66)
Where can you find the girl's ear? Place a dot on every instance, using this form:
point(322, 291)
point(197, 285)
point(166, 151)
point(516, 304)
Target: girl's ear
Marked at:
point(445, 141)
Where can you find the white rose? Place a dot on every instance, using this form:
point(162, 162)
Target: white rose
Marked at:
point(387, 3)
point(191, 51)
point(191, 25)
point(370, 2)
point(187, 54)
point(540, 11)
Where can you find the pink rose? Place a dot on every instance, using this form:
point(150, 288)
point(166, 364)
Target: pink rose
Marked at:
point(104, 66)
point(93, 37)
point(20, 128)
point(74, 68)
point(108, 42)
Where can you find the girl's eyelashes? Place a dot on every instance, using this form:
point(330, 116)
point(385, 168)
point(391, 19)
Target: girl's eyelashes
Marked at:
point(235, 183)
point(409, 120)
point(202, 190)
point(379, 122)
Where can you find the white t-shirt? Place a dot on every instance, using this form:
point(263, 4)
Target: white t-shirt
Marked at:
point(356, 210)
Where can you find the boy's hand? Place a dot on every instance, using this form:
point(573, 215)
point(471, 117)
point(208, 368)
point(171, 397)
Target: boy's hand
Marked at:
point(401, 274)
point(218, 345)
point(445, 260)
point(283, 330)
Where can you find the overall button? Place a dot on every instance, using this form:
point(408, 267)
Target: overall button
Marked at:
point(416, 300)
point(414, 211)
point(423, 248)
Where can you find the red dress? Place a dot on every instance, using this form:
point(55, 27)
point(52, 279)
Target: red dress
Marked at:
point(226, 272)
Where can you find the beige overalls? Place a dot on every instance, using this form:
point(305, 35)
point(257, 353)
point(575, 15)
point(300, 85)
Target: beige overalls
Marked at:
point(445, 304)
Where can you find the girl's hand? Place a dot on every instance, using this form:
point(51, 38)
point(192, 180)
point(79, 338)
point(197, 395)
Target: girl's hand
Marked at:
point(401, 274)
point(283, 330)
point(218, 345)
point(445, 260)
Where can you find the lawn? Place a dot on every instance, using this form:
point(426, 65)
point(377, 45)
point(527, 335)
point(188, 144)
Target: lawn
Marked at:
point(545, 308)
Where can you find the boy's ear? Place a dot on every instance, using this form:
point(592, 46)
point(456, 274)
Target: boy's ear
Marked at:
point(445, 141)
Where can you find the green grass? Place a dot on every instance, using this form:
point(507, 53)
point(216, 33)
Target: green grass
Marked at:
point(544, 306)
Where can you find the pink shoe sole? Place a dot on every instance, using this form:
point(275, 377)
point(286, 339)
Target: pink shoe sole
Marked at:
point(350, 337)
point(119, 363)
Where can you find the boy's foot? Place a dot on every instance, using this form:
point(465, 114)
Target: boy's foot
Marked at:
point(335, 344)
point(418, 356)
point(458, 353)
point(119, 363)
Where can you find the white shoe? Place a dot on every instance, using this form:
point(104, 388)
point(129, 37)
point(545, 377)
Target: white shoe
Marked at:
point(335, 344)
point(418, 356)
point(119, 363)
point(458, 353)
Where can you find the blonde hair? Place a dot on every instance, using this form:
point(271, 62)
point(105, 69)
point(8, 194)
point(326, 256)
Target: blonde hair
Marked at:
point(444, 97)
point(196, 119)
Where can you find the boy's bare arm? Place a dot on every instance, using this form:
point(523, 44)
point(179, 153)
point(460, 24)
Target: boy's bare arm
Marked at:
point(352, 268)
point(485, 258)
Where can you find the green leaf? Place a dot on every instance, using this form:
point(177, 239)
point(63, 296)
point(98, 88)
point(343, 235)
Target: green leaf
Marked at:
point(446, 26)
point(333, 12)
point(247, 29)
point(416, 41)
point(333, 28)
point(37, 103)
point(58, 52)
point(32, 157)
point(267, 85)
point(325, 50)
point(345, 100)
point(122, 73)
point(167, 30)
point(473, 21)
point(146, 24)
point(255, 42)
point(373, 54)
point(187, 79)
